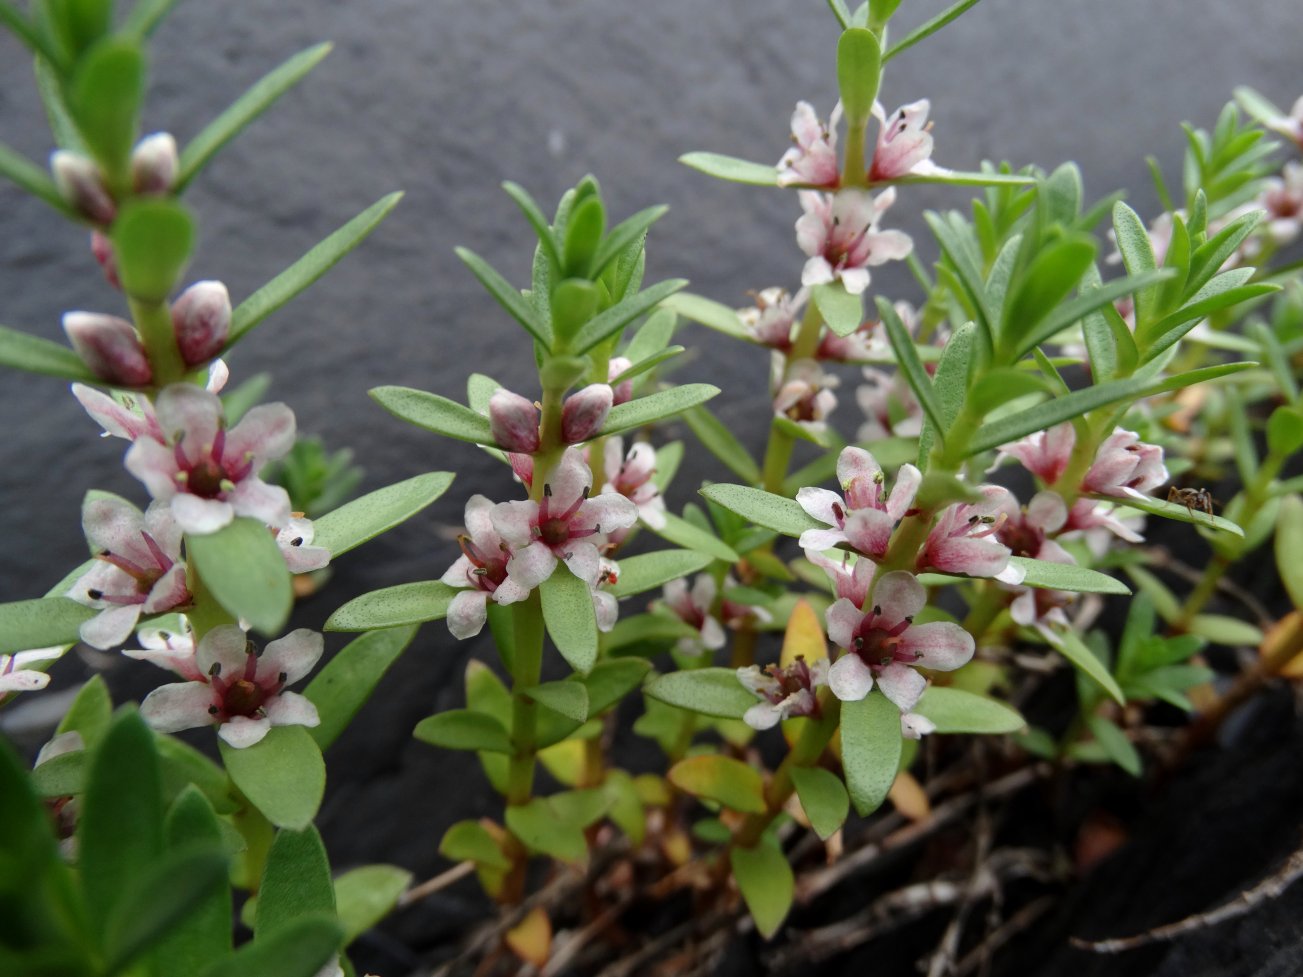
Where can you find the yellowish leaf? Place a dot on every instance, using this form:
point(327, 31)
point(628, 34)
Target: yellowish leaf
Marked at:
point(804, 636)
point(531, 939)
point(908, 797)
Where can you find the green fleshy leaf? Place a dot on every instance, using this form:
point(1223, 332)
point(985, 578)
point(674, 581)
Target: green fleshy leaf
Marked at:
point(540, 828)
point(471, 841)
point(537, 220)
point(295, 882)
point(651, 570)
point(366, 895)
point(648, 364)
point(961, 178)
point(26, 32)
point(1091, 299)
point(1174, 511)
point(1070, 646)
point(707, 312)
point(299, 950)
point(569, 699)
point(121, 824)
point(41, 623)
point(958, 245)
point(104, 97)
point(342, 687)
point(183, 766)
point(159, 896)
point(823, 798)
point(244, 110)
point(90, 713)
point(767, 885)
point(392, 607)
point(683, 533)
point(153, 240)
point(652, 337)
point(1222, 292)
point(1006, 430)
point(951, 386)
point(569, 617)
point(1229, 631)
point(859, 71)
point(298, 276)
point(652, 630)
point(623, 235)
point(508, 296)
point(763, 508)
point(434, 413)
point(721, 779)
point(353, 523)
point(609, 323)
point(610, 681)
point(842, 311)
point(732, 169)
point(1050, 278)
point(927, 29)
point(709, 691)
point(245, 572)
point(464, 729)
point(1068, 576)
point(715, 436)
point(145, 16)
point(656, 407)
point(283, 775)
point(1137, 254)
point(1288, 546)
point(1115, 744)
point(911, 367)
point(582, 234)
point(204, 934)
point(871, 745)
point(958, 711)
point(26, 175)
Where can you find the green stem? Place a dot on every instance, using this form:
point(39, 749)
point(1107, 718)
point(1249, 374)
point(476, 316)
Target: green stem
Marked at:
point(855, 173)
point(154, 323)
point(778, 451)
point(527, 668)
point(985, 609)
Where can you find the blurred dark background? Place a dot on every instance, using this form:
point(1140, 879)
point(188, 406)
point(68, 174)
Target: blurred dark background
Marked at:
point(447, 99)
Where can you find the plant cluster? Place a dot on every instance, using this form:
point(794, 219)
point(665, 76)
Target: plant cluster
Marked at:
point(1065, 372)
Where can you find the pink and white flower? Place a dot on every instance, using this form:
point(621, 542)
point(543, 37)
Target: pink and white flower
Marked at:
point(883, 644)
point(138, 568)
point(81, 183)
point(1027, 532)
point(904, 142)
point(566, 525)
point(154, 164)
point(295, 542)
point(865, 517)
point(1290, 126)
point(15, 676)
point(622, 392)
point(1045, 454)
point(631, 476)
point(964, 541)
point(242, 692)
point(694, 607)
point(1098, 522)
point(482, 567)
point(1283, 201)
point(172, 650)
point(812, 159)
point(806, 395)
point(914, 726)
point(773, 317)
point(201, 319)
point(740, 616)
point(840, 234)
point(785, 692)
point(890, 407)
point(584, 412)
point(110, 348)
point(130, 416)
point(1125, 465)
point(514, 421)
point(606, 608)
point(209, 475)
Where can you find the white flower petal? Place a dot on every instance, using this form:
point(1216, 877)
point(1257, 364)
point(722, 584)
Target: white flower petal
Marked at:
point(849, 678)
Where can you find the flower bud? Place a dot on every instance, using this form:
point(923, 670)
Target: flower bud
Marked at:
point(80, 182)
point(202, 319)
point(154, 164)
point(514, 421)
point(102, 248)
point(110, 347)
point(623, 392)
point(585, 412)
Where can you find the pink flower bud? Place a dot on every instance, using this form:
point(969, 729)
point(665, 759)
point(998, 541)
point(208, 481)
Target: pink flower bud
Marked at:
point(110, 347)
point(102, 248)
point(584, 412)
point(154, 164)
point(622, 392)
point(202, 319)
point(514, 421)
point(82, 185)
